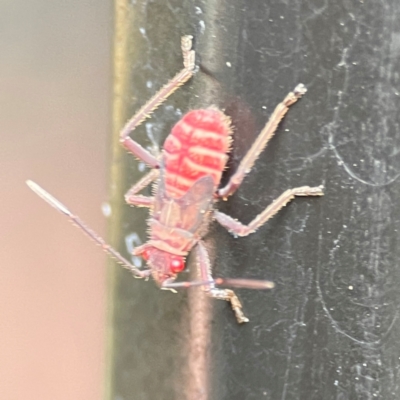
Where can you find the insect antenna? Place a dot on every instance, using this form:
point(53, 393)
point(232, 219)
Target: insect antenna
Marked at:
point(245, 283)
point(80, 224)
point(227, 282)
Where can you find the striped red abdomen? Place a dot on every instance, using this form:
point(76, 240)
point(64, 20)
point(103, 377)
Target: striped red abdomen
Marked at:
point(197, 146)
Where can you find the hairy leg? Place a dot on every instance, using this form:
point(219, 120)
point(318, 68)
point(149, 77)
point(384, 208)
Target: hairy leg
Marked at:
point(261, 142)
point(179, 79)
point(240, 229)
point(133, 198)
point(204, 268)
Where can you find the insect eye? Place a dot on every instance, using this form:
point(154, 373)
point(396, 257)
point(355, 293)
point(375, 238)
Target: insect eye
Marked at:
point(145, 255)
point(177, 265)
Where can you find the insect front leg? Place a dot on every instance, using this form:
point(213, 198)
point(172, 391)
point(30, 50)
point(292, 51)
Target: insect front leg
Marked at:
point(260, 143)
point(240, 229)
point(133, 198)
point(179, 79)
point(204, 268)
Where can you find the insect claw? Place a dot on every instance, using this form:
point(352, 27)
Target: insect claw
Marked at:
point(241, 318)
point(186, 42)
point(188, 53)
point(299, 90)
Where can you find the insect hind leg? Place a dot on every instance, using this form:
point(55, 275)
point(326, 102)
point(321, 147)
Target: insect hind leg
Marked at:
point(204, 267)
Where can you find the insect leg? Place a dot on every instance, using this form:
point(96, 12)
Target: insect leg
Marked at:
point(204, 268)
point(136, 199)
point(240, 229)
point(179, 79)
point(260, 143)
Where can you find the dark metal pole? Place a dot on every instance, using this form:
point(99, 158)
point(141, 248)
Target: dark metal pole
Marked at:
point(330, 329)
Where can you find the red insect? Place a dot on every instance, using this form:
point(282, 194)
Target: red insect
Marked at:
point(188, 174)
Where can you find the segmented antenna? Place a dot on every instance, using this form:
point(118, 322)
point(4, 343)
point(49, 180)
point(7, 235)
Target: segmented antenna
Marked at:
point(245, 283)
point(227, 282)
point(80, 224)
point(239, 283)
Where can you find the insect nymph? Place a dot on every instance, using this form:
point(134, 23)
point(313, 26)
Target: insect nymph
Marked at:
point(188, 175)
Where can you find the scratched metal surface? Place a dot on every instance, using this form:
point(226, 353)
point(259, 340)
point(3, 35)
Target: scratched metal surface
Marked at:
point(330, 328)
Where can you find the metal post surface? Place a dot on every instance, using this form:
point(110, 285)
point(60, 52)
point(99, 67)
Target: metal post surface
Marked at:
point(330, 329)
